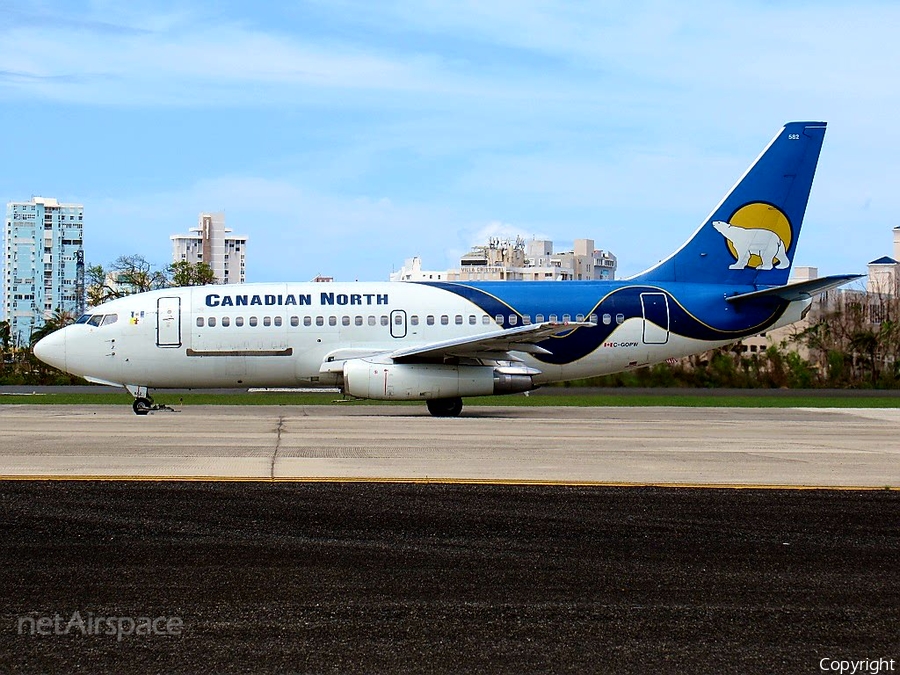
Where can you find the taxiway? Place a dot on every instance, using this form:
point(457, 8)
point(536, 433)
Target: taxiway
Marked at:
point(642, 445)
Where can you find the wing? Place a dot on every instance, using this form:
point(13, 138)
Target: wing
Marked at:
point(489, 345)
point(493, 346)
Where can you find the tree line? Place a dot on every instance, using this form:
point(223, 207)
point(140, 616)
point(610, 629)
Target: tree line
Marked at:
point(130, 274)
point(852, 343)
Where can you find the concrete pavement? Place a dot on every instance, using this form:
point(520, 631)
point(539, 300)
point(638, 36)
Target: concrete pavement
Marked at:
point(642, 445)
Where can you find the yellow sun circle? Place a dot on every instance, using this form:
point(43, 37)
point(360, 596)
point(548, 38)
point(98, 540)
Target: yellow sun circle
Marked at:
point(762, 217)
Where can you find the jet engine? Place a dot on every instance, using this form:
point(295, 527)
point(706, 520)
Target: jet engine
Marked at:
point(422, 381)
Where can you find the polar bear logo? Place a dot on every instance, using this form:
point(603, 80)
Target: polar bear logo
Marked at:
point(754, 241)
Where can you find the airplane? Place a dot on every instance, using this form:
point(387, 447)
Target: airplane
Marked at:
point(441, 341)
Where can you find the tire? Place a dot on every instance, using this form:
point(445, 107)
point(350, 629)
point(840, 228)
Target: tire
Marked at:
point(141, 406)
point(444, 407)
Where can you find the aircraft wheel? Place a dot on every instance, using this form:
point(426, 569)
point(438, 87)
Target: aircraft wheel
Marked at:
point(444, 407)
point(141, 406)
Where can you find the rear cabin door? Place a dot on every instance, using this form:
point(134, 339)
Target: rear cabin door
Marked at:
point(656, 318)
point(168, 322)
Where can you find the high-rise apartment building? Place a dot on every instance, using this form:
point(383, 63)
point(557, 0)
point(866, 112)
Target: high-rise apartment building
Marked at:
point(43, 263)
point(209, 243)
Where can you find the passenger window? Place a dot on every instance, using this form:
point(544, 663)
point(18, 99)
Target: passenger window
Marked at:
point(277, 320)
point(445, 320)
point(109, 318)
point(267, 321)
point(472, 319)
point(607, 319)
point(253, 321)
point(579, 317)
point(513, 319)
point(384, 320)
point(539, 318)
point(567, 318)
point(499, 319)
point(553, 318)
point(372, 321)
point(345, 320)
point(526, 319)
point(398, 319)
point(593, 318)
point(332, 320)
point(238, 321)
point(295, 321)
point(211, 322)
point(307, 321)
point(620, 318)
point(199, 322)
point(414, 320)
point(458, 320)
point(429, 319)
point(320, 320)
point(226, 322)
point(95, 320)
point(358, 321)
point(486, 320)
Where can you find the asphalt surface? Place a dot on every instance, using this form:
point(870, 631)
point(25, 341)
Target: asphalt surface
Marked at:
point(378, 578)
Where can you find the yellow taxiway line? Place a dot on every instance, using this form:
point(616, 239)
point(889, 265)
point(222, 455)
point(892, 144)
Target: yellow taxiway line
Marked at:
point(440, 481)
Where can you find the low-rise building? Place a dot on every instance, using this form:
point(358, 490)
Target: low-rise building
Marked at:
point(517, 260)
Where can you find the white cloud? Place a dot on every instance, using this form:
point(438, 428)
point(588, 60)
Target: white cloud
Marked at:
point(184, 59)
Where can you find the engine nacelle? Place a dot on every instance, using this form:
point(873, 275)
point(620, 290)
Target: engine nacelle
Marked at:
point(511, 383)
point(422, 381)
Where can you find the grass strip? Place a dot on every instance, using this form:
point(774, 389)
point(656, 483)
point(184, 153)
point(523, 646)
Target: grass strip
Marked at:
point(698, 400)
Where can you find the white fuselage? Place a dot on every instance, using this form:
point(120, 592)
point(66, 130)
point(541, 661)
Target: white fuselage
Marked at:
point(286, 334)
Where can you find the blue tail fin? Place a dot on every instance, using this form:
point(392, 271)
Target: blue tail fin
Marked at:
point(751, 236)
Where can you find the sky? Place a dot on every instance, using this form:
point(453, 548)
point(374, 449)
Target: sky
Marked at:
point(345, 136)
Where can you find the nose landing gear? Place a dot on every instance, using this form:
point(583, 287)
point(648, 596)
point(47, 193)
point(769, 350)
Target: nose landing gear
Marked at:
point(142, 405)
point(143, 402)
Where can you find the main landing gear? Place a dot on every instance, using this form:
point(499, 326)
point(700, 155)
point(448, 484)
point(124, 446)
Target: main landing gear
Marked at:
point(444, 407)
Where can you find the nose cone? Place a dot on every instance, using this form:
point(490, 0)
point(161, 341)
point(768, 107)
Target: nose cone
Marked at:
point(52, 349)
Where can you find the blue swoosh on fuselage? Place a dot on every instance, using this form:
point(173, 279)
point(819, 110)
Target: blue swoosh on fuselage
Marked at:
point(698, 311)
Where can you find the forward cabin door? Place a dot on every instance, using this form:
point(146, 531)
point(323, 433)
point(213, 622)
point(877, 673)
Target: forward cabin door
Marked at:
point(168, 322)
point(656, 318)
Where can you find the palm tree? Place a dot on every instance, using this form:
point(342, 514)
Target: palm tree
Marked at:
point(5, 334)
point(867, 342)
point(59, 319)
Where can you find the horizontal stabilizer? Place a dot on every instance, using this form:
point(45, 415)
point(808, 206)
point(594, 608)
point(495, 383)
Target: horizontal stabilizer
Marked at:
point(800, 290)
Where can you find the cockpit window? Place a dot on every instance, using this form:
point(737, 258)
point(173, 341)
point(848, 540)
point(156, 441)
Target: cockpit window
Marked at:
point(84, 318)
point(95, 320)
point(109, 318)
